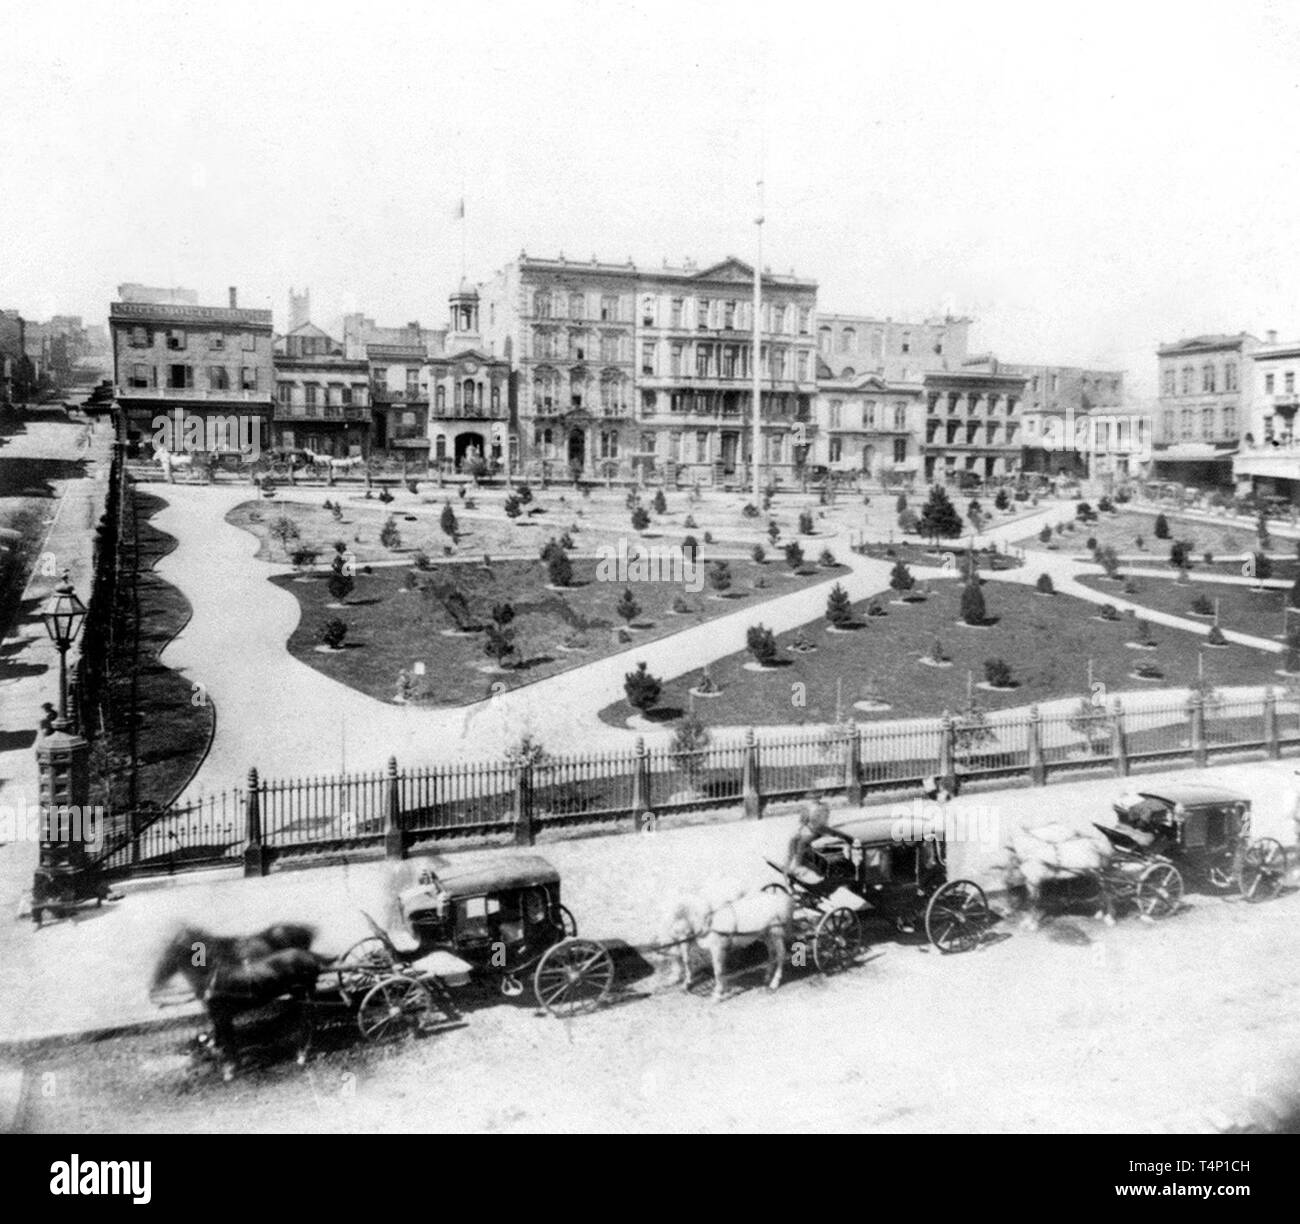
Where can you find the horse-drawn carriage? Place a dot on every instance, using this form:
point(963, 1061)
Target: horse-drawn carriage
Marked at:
point(876, 875)
point(1206, 832)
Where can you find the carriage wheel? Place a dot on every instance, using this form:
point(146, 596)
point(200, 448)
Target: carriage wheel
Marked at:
point(957, 916)
point(1263, 870)
point(837, 941)
point(395, 1006)
point(1159, 891)
point(566, 921)
point(573, 977)
point(361, 964)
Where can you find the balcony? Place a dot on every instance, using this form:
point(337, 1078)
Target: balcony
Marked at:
point(403, 395)
point(321, 412)
point(196, 395)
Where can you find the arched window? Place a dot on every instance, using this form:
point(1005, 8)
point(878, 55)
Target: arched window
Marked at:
point(496, 398)
point(542, 304)
point(847, 372)
point(546, 389)
point(848, 340)
point(1187, 380)
point(440, 398)
point(824, 339)
point(613, 391)
point(1207, 377)
point(469, 394)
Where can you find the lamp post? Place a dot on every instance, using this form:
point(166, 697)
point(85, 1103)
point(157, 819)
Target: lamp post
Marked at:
point(63, 617)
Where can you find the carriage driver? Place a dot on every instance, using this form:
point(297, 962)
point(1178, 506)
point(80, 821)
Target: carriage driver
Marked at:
point(814, 822)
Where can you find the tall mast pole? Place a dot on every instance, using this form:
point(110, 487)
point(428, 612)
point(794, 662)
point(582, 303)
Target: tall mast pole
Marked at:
point(756, 363)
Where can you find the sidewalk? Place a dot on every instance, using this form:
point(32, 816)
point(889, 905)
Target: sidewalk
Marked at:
point(91, 973)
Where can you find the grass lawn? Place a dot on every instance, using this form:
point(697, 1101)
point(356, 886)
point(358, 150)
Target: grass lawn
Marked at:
point(1240, 607)
point(392, 626)
point(1047, 640)
point(1121, 530)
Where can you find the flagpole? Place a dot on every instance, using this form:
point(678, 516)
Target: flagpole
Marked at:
point(756, 360)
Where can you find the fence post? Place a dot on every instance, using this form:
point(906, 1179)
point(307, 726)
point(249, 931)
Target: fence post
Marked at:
point(947, 772)
point(394, 847)
point(1034, 730)
point(641, 780)
point(749, 781)
point(523, 803)
point(852, 769)
point(1272, 744)
point(1118, 739)
point(1196, 706)
point(254, 852)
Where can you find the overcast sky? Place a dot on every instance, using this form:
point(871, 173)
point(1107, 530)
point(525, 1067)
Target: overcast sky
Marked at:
point(1084, 185)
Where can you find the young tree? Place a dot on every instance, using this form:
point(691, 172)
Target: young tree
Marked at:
point(559, 569)
point(283, 529)
point(1162, 527)
point(333, 632)
point(690, 548)
point(793, 555)
point(1002, 501)
point(1045, 536)
point(499, 643)
point(806, 522)
point(690, 745)
point(513, 507)
point(760, 558)
point(839, 609)
point(340, 586)
point(1088, 720)
point(447, 521)
point(997, 672)
point(524, 493)
point(642, 689)
point(900, 578)
point(773, 532)
point(660, 502)
point(389, 536)
point(720, 576)
point(973, 611)
point(1045, 585)
point(900, 503)
point(503, 614)
point(640, 519)
point(939, 517)
point(627, 606)
point(761, 643)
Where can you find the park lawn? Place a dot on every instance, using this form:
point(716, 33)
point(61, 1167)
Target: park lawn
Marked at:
point(1120, 530)
point(1241, 608)
point(392, 626)
point(1048, 640)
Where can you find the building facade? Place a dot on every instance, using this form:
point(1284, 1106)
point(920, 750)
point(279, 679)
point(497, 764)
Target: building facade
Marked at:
point(322, 399)
point(15, 366)
point(620, 368)
point(212, 363)
point(899, 351)
point(1206, 397)
point(1268, 459)
point(972, 425)
point(869, 425)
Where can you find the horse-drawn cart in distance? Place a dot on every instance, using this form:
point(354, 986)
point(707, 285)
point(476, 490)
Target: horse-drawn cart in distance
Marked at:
point(868, 872)
point(1206, 831)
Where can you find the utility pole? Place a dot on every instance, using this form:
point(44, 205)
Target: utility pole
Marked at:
point(756, 364)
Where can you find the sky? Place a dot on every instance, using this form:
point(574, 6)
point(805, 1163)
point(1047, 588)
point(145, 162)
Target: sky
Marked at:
point(1085, 182)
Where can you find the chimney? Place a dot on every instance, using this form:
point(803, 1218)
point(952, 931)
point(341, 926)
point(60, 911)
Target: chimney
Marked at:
point(1272, 336)
point(233, 303)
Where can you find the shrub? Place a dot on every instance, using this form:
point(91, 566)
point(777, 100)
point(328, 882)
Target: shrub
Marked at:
point(1109, 612)
point(1142, 632)
point(1091, 544)
point(908, 523)
point(559, 569)
point(1149, 671)
point(690, 742)
point(1202, 605)
point(874, 608)
point(773, 532)
point(761, 643)
point(689, 522)
point(1105, 506)
point(283, 529)
point(1045, 585)
point(1045, 536)
point(1139, 542)
point(513, 507)
point(340, 586)
point(1085, 513)
point(1001, 501)
point(333, 632)
point(690, 548)
point(750, 511)
point(939, 517)
point(793, 555)
point(337, 512)
point(997, 672)
point(1215, 636)
point(499, 643)
point(1162, 527)
point(900, 504)
point(680, 605)
point(422, 559)
point(900, 578)
point(1130, 587)
point(304, 557)
point(1108, 559)
point(839, 609)
point(826, 559)
point(720, 576)
point(566, 540)
point(760, 557)
point(806, 522)
point(389, 536)
point(936, 654)
point(1263, 566)
point(973, 611)
point(524, 493)
point(660, 502)
point(1207, 557)
point(1180, 552)
point(708, 537)
point(642, 688)
point(447, 521)
point(640, 519)
point(385, 496)
point(627, 606)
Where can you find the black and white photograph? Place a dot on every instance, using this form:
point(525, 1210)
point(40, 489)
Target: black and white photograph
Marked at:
point(651, 568)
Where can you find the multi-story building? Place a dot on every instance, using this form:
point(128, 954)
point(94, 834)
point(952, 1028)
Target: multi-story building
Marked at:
point(1205, 397)
point(897, 350)
point(972, 424)
point(870, 425)
point(15, 366)
point(360, 331)
point(173, 362)
point(619, 367)
point(399, 400)
point(322, 399)
point(1268, 460)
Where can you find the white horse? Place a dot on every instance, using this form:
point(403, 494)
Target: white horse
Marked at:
point(718, 925)
point(1057, 852)
point(346, 465)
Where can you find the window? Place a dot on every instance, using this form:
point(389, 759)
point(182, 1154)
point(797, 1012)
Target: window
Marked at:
point(836, 414)
point(610, 346)
point(649, 401)
point(1207, 422)
point(778, 363)
point(1167, 423)
point(139, 337)
point(647, 312)
point(1207, 377)
point(345, 396)
point(900, 450)
point(496, 399)
point(175, 338)
point(1187, 380)
point(701, 448)
point(412, 383)
point(907, 342)
point(440, 399)
point(609, 444)
point(379, 375)
point(180, 376)
point(729, 358)
point(702, 308)
point(217, 342)
point(250, 342)
point(676, 312)
point(675, 360)
point(938, 346)
point(803, 365)
point(900, 416)
point(1229, 376)
point(703, 360)
point(848, 340)
point(542, 304)
point(1268, 384)
point(869, 414)
point(141, 376)
point(1187, 424)
point(543, 343)
point(1229, 422)
point(1168, 383)
point(824, 339)
point(248, 378)
point(647, 444)
point(609, 308)
point(1056, 383)
point(648, 359)
point(836, 450)
point(312, 394)
point(805, 320)
point(1288, 382)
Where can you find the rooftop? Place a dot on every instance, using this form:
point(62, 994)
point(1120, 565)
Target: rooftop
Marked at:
point(730, 270)
point(133, 312)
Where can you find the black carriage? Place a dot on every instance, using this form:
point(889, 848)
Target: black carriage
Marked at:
point(1206, 832)
point(501, 921)
point(878, 876)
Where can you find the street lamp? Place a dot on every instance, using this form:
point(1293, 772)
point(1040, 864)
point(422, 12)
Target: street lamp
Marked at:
point(63, 618)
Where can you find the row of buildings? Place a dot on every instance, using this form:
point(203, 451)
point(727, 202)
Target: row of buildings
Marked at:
point(36, 357)
point(610, 368)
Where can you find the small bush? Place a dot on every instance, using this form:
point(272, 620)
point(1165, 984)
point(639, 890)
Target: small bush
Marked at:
point(1109, 612)
point(690, 548)
point(1207, 557)
point(1045, 585)
point(642, 689)
point(900, 578)
point(997, 672)
point(806, 522)
point(680, 605)
point(333, 632)
point(1001, 501)
point(660, 502)
point(559, 569)
point(1149, 671)
point(874, 608)
point(793, 555)
point(447, 521)
point(1106, 506)
point(1045, 536)
point(1162, 527)
point(908, 523)
point(513, 507)
point(761, 643)
point(750, 511)
point(627, 606)
point(1215, 636)
point(689, 524)
point(900, 503)
point(758, 555)
point(525, 494)
point(389, 536)
point(304, 557)
point(773, 532)
point(708, 537)
point(340, 586)
point(1203, 606)
point(1091, 544)
point(1180, 552)
point(385, 496)
point(839, 609)
point(640, 519)
point(826, 559)
point(973, 611)
point(720, 576)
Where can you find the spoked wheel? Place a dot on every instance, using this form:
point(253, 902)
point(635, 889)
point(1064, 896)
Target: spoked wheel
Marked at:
point(565, 920)
point(837, 941)
point(573, 977)
point(1263, 870)
point(1159, 891)
point(361, 964)
point(395, 1006)
point(957, 916)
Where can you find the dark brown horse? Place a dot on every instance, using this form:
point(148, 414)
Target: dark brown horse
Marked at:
point(235, 975)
